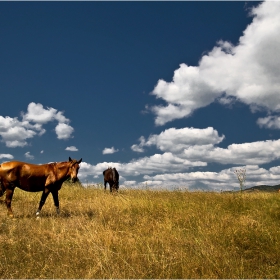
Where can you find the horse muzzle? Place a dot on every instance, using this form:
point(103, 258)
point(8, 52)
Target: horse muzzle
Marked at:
point(74, 180)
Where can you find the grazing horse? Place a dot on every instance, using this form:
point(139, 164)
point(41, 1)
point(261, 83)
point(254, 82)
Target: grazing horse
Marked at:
point(111, 176)
point(35, 178)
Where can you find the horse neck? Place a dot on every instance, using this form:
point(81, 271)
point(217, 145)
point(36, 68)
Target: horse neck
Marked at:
point(62, 170)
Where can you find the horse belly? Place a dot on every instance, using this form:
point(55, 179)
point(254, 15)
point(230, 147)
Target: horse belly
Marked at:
point(32, 184)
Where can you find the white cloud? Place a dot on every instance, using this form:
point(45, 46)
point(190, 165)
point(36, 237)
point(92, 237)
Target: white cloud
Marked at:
point(248, 72)
point(195, 148)
point(223, 180)
point(36, 113)
point(64, 131)
point(72, 149)
point(28, 155)
point(259, 152)
point(109, 151)
point(198, 180)
point(272, 122)
point(176, 140)
point(157, 163)
point(227, 101)
point(139, 148)
point(14, 132)
point(15, 143)
point(8, 156)
point(130, 183)
point(60, 118)
point(200, 145)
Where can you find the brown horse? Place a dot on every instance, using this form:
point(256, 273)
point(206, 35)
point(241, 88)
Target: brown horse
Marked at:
point(111, 176)
point(35, 178)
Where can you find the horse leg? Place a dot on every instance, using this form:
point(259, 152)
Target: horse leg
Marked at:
point(42, 201)
point(9, 196)
point(111, 186)
point(2, 189)
point(56, 201)
point(105, 182)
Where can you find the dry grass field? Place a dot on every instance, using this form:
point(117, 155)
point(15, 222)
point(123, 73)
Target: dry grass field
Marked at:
point(142, 234)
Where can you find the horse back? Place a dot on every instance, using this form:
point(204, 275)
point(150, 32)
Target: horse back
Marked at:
point(26, 176)
point(111, 174)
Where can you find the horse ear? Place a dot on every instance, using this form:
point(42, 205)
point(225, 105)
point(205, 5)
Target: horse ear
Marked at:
point(80, 161)
point(70, 159)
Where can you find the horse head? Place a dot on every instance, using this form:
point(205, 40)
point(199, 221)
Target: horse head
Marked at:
point(74, 169)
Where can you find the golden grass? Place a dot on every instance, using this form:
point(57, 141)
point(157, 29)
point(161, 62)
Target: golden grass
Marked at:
point(142, 234)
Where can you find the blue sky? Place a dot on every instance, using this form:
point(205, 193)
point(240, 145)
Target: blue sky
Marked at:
point(172, 94)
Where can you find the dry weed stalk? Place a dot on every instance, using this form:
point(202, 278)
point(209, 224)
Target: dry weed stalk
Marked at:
point(241, 176)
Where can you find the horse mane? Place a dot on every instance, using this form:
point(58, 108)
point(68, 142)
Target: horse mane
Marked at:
point(68, 164)
point(60, 164)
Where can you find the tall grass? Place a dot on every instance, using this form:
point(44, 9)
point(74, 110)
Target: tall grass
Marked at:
point(142, 234)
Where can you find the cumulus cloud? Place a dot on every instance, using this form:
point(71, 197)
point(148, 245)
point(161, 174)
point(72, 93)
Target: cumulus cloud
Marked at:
point(37, 114)
point(109, 151)
point(248, 72)
point(216, 181)
point(200, 145)
point(157, 163)
point(8, 156)
point(272, 122)
point(28, 155)
point(15, 132)
point(147, 165)
point(176, 140)
point(188, 148)
point(72, 149)
point(258, 152)
point(139, 147)
point(63, 131)
point(129, 183)
point(196, 180)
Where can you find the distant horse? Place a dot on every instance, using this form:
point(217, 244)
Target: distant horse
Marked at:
point(35, 178)
point(111, 176)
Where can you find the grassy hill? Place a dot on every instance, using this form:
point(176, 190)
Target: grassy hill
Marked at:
point(264, 188)
point(142, 234)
